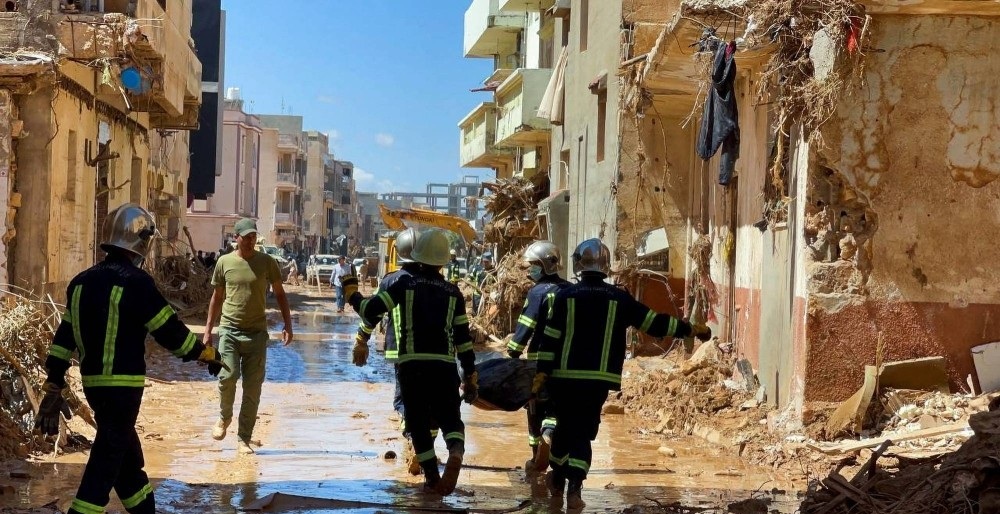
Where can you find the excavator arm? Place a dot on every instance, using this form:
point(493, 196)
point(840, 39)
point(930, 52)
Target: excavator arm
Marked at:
point(394, 220)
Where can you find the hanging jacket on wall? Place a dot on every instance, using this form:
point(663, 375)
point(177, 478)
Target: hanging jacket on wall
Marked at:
point(720, 120)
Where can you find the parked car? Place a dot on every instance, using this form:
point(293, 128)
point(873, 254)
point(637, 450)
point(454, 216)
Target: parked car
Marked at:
point(276, 253)
point(321, 266)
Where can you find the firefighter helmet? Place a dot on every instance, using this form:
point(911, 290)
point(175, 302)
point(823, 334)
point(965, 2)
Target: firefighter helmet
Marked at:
point(592, 255)
point(431, 248)
point(404, 244)
point(130, 228)
point(544, 254)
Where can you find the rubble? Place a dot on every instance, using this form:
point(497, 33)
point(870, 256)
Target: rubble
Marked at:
point(185, 284)
point(26, 327)
point(503, 298)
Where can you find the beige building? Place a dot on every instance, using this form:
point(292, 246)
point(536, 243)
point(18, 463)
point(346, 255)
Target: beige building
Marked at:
point(84, 131)
point(236, 189)
point(284, 170)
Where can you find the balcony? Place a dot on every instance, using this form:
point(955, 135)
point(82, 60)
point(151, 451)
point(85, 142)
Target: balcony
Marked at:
point(518, 99)
point(289, 142)
point(169, 72)
point(478, 135)
point(525, 5)
point(489, 32)
point(285, 220)
point(286, 182)
point(328, 198)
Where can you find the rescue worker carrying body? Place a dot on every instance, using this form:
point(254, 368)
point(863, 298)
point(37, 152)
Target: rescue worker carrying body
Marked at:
point(431, 329)
point(453, 271)
point(404, 246)
point(110, 308)
point(543, 261)
point(581, 357)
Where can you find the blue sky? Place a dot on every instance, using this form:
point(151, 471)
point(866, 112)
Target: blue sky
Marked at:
point(384, 78)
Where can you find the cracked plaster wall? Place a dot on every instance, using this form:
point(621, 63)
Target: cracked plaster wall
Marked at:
point(919, 146)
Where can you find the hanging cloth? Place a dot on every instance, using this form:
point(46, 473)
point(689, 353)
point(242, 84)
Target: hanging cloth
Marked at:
point(551, 106)
point(720, 127)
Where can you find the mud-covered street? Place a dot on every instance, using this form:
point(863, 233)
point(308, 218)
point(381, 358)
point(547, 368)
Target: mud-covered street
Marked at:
point(327, 431)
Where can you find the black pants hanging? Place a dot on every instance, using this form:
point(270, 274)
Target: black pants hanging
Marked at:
point(116, 458)
point(430, 391)
point(577, 405)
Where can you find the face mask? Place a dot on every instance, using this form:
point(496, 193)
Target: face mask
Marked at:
point(535, 272)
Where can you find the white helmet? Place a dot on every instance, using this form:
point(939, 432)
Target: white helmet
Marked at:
point(544, 254)
point(130, 228)
point(404, 244)
point(431, 248)
point(592, 255)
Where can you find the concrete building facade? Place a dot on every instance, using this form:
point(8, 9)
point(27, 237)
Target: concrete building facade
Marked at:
point(84, 132)
point(285, 170)
point(211, 221)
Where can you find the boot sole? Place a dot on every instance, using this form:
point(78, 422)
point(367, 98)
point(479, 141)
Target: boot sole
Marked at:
point(449, 479)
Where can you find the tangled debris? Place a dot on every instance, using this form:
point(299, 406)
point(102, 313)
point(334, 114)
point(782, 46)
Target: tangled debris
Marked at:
point(26, 327)
point(965, 481)
point(185, 284)
point(503, 298)
point(513, 211)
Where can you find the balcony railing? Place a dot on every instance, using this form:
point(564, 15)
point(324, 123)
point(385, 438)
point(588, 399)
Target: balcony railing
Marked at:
point(286, 181)
point(518, 99)
point(284, 218)
point(489, 32)
point(328, 196)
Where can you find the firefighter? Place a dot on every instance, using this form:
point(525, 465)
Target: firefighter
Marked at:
point(110, 308)
point(404, 245)
point(543, 261)
point(581, 357)
point(431, 329)
point(454, 269)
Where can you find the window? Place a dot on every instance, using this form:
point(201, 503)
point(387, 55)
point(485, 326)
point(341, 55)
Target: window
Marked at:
point(602, 114)
point(584, 23)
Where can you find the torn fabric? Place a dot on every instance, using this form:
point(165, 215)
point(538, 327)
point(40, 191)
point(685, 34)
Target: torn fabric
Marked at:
point(551, 106)
point(720, 125)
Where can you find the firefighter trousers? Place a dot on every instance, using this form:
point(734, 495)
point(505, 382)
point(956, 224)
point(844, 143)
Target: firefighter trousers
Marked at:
point(430, 392)
point(539, 418)
point(577, 405)
point(116, 458)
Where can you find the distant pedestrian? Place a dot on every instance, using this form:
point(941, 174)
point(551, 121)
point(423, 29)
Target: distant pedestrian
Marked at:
point(201, 257)
point(293, 273)
point(341, 269)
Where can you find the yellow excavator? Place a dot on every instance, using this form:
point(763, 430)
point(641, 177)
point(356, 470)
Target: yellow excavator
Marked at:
point(395, 219)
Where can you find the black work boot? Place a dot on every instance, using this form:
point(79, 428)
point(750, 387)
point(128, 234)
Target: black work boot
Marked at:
point(456, 452)
point(432, 478)
point(574, 498)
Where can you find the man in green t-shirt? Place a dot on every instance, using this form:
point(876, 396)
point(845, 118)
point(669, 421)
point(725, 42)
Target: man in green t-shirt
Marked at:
point(241, 278)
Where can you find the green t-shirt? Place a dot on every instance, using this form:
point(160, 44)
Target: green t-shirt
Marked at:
point(246, 284)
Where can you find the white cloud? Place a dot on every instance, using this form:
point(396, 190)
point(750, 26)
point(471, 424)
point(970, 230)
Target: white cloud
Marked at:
point(385, 186)
point(383, 139)
point(363, 178)
point(326, 99)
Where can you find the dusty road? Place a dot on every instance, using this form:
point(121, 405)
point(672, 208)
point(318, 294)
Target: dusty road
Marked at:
point(325, 427)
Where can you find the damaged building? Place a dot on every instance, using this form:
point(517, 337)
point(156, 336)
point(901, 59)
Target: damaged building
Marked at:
point(828, 208)
point(98, 101)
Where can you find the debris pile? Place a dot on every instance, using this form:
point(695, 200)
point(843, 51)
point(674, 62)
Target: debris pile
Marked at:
point(513, 209)
point(964, 481)
point(26, 328)
point(185, 284)
point(503, 298)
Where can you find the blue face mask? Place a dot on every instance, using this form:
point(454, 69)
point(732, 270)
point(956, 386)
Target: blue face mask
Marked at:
point(535, 272)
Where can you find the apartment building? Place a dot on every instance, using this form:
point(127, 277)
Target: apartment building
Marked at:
point(83, 131)
point(211, 220)
point(284, 171)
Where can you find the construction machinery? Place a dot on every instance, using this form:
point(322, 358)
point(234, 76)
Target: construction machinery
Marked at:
point(399, 219)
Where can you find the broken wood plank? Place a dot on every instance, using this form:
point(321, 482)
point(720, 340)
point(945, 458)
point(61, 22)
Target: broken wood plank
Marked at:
point(852, 446)
point(867, 472)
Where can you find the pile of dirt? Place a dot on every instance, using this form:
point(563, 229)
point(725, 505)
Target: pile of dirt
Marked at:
point(26, 327)
point(964, 481)
point(185, 284)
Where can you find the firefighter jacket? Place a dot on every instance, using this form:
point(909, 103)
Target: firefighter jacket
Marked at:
point(391, 353)
point(110, 308)
point(429, 320)
point(585, 336)
point(532, 321)
point(454, 271)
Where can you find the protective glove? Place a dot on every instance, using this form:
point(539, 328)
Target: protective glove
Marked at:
point(350, 285)
point(702, 332)
point(360, 357)
point(52, 404)
point(538, 383)
point(211, 357)
point(470, 387)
